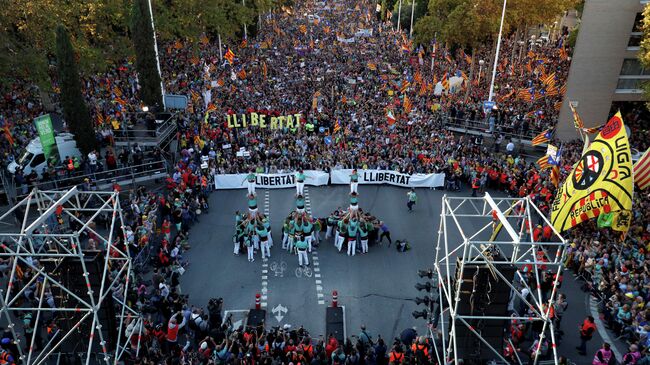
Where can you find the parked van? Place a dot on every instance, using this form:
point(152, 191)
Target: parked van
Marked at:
point(34, 159)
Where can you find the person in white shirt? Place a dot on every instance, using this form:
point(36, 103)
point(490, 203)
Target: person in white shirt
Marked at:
point(92, 161)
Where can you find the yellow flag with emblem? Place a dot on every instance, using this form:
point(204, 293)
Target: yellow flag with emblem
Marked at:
point(600, 182)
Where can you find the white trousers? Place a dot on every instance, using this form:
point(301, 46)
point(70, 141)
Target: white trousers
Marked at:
point(328, 233)
point(285, 240)
point(256, 242)
point(303, 259)
point(308, 239)
point(352, 247)
point(339, 242)
point(251, 188)
point(250, 253)
point(270, 239)
point(353, 187)
point(300, 188)
point(364, 245)
point(236, 248)
point(290, 244)
point(265, 249)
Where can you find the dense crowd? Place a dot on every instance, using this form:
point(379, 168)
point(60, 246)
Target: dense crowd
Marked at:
point(345, 90)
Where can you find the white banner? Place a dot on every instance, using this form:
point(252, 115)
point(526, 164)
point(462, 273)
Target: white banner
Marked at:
point(389, 177)
point(270, 181)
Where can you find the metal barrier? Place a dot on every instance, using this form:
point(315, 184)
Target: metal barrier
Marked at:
point(103, 180)
point(482, 127)
point(142, 137)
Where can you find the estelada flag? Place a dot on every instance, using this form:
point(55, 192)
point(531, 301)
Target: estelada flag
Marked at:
point(230, 56)
point(600, 182)
point(642, 171)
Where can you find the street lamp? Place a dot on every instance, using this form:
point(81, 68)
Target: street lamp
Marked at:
point(481, 63)
point(521, 48)
point(532, 41)
point(496, 55)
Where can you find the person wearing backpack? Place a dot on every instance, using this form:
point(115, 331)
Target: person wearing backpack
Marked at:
point(420, 350)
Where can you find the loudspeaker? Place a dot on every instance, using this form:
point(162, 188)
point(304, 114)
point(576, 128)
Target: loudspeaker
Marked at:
point(334, 323)
point(482, 293)
point(69, 272)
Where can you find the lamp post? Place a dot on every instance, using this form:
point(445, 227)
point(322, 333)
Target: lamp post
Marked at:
point(412, 13)
point(399, 15)
point(155, 47)
point(521, 49)
point(481, 63)
point(496, 56)
point(532, 41)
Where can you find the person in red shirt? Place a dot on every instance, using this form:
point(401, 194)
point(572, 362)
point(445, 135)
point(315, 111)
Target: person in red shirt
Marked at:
point(547, 233)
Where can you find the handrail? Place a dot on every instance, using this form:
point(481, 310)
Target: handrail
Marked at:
point(105, 179)
point(159, 134)
point(484, 127)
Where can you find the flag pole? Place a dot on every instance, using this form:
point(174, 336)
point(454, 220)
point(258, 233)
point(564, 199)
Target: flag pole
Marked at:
point(433, 57)
point(399, 15)
point(496, 56)
point(220, 51)
point(412, 12)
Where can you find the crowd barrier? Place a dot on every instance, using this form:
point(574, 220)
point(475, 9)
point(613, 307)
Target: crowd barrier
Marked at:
point(335, 177)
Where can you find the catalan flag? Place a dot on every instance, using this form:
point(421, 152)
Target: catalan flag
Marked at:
point(372, 66)
point(204, 39)
point(264, 70)
point(220, 81)
point(467, 58)
point(555, 176)
point(563, 55)
point(524, 94)
point(445, 81)
point(327, 29)
point(337, 125)
point(242, 74)
point(230, 56)
point(642, 171)
point(563, 90)
point(244, 43)
point(117, 92)
point(8, 134)
point(178, 44)
point(406, 49)
point(543, 162)
point(405, 86)
point(303, 28)
point(577, 121)
point(543, 137)
point(549, 79)
point(407, 104)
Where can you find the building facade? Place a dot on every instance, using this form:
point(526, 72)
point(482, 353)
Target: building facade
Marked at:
point(604, 68)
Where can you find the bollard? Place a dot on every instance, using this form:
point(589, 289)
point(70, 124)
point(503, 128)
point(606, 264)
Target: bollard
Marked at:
point(258, 301)
point(335, 299)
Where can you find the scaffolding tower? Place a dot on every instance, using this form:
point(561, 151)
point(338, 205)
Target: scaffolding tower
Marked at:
point(507, 257)
point(78, 290)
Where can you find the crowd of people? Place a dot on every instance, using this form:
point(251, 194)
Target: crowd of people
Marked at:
point(345, 86)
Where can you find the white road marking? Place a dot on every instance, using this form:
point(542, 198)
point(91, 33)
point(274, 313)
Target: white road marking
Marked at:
point(314, 255)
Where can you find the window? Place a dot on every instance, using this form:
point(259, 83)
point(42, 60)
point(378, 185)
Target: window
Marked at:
point(638, 22)
point(629, 84)
point(632, 66)
point(38, 159)
point(635, 40)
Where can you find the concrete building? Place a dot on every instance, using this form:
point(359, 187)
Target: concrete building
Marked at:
point(604, 68)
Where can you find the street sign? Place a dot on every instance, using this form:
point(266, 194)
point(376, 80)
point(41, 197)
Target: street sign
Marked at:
point(279, 312)
point(488, 105)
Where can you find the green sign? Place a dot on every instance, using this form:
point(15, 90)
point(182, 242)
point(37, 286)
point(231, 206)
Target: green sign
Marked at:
point(46, 135)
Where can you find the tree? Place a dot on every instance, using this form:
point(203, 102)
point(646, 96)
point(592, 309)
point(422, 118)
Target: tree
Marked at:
point(145, 54)
point(644, 51)
point(75, 111)
point(99, 30)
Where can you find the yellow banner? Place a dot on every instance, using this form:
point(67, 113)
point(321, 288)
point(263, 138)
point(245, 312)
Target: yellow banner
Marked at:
point(601, 181)
point(263, 121)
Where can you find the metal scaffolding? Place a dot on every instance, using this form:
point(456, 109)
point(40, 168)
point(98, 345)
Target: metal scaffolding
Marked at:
point(484, 248)
point(40, 249)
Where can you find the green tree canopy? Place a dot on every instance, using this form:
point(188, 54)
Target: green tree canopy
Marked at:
point(145, 54)
point(75, 111)
point(644, 52)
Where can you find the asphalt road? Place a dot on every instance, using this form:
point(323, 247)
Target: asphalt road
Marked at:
point(377, 289)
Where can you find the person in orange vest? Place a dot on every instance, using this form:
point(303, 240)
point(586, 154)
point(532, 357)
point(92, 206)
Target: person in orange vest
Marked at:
point(69, 165)
point(586, 333)
point(172, 329)
point(475, 186)
point(166, 229)
point(537, 233)
point(421, 350)
point(547, 233)
point(396, 355)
